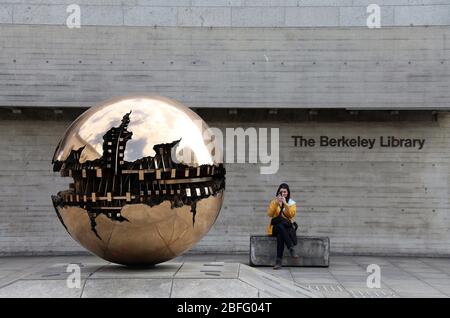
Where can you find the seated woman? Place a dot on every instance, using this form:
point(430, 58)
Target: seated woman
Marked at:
point(282, 211)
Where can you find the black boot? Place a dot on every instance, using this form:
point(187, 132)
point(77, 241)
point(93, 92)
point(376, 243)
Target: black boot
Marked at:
point(277, 263)
point(293, 253)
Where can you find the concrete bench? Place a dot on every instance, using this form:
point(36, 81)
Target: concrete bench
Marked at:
point(313, 251)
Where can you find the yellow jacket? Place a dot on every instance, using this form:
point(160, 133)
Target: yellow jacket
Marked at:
point(290, 211)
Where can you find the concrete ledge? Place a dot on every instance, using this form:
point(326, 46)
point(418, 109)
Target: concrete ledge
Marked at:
point(313, 251)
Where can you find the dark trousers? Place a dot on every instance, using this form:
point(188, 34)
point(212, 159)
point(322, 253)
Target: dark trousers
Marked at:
point(283, 237)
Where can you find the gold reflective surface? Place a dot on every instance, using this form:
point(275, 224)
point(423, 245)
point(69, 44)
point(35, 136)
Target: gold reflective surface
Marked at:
point(154, 120)
point(148, 233)
point(152, 235)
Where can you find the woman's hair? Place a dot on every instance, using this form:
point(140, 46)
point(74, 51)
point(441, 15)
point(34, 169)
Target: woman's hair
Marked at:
point(284, 186)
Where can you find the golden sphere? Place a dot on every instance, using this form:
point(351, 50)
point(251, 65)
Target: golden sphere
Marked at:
point(148, 181)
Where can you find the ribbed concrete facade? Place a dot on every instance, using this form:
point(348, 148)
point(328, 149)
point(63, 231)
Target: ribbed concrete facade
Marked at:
point(389, 68)
point(240, 54)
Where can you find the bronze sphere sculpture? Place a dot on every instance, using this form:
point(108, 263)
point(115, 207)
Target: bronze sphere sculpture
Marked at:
point(146, 183)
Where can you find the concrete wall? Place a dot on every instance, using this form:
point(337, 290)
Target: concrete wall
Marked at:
point(241, 54)
point(228, 13)
point(394, 68)
point(227, 53)
point(380, 201)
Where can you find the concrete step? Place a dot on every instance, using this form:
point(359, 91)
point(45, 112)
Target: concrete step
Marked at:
point(313, 251)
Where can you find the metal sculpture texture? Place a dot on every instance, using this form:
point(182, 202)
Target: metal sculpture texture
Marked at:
point(147, 182)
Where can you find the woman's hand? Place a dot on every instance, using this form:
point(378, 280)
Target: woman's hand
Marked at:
point(280, 199)
point(283, 200)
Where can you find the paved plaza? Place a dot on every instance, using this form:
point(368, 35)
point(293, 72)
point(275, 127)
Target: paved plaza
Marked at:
point(214, 275)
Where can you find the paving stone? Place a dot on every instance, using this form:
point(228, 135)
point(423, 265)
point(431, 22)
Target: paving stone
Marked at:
point(227, 288)
point(165, 270)
point(127, 288)
point(329, 290)
point(275, 285)
point(208, 270)
point(371, 293)
point(63, 271)
point(40, 289)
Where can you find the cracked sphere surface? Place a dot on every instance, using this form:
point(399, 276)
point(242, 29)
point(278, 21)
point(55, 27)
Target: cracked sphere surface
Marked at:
point(147, 181)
